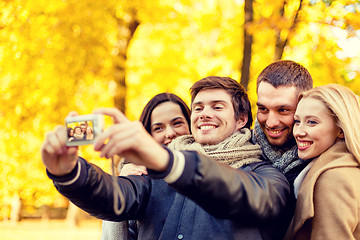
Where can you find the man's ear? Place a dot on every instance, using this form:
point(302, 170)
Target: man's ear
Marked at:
point(242, 121)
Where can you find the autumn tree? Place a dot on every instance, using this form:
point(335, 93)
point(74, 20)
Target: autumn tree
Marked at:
point(282, 24)
point(57, 56)
point(248, 40)
point(125, 14)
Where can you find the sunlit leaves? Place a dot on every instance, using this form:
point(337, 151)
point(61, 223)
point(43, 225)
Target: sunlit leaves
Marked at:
point(57, 56)
point(52, 61)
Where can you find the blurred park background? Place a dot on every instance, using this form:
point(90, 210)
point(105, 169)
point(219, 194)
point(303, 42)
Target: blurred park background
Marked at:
point(62, 55)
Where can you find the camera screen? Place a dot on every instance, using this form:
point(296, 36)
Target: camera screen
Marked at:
point(83, 129)
point(80, 131)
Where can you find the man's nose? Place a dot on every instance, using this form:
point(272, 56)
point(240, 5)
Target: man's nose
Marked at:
point(272, 120)
point(206, 113)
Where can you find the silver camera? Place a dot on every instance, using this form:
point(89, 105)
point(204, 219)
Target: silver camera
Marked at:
point(83, 129)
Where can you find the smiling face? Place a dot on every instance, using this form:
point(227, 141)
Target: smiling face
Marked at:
point(315, 129)
point(276, 108)
point(83, 128)
point(89, 130)
point(213, 117)
point(168, 122)
point(77, 130)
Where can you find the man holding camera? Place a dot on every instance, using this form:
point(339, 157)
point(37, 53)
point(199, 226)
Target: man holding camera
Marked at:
point(225, 192)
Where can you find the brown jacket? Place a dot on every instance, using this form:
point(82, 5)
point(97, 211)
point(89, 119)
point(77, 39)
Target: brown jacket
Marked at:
point(328, 204)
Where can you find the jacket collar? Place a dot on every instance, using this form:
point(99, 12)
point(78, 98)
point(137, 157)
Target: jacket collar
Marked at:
point(336, 156)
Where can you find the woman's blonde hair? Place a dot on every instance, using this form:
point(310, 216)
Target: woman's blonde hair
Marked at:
point(345, 107)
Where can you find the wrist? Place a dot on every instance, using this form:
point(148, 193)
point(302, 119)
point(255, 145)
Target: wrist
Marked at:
point(159, 173)
point(66, 176)
point(162, 160)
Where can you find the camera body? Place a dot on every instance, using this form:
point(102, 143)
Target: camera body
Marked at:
point(83, 129)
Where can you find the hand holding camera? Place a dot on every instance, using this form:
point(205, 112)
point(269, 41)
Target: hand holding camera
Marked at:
point(125, 138)
point(83, 129)
point(56, 156)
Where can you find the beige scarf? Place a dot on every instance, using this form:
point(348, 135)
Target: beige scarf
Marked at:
point(234, 151)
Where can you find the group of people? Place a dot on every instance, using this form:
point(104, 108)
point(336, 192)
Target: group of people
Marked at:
point(207, 175)
point(79, 133)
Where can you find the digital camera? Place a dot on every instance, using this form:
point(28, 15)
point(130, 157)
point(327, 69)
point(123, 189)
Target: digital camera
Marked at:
point(83, 129)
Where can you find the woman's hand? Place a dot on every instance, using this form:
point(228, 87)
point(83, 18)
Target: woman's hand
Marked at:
point(132, 169)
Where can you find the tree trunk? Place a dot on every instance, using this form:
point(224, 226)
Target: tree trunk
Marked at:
point(15, 209)
point(245, 69)
point(281, 43)
point(126, 32)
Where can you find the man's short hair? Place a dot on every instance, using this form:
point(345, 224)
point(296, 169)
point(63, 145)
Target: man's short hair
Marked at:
point(286, 73)
point(239, 97)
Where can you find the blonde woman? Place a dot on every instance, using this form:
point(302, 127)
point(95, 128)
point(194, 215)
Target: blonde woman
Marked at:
point(89, 133)
point(327, 132)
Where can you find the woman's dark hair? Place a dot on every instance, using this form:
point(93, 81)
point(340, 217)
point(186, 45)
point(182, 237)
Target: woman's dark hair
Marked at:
point(145, 117)
point(68, 131)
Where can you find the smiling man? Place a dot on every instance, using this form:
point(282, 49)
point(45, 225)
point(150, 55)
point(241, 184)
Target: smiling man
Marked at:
point(212, 116)
point(278, 88)
point(220, 189)
point(276, 108)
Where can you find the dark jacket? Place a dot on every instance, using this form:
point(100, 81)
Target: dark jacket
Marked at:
point(208, 201)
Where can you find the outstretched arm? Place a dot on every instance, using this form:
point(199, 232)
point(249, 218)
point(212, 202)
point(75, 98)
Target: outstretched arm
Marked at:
point(85, 184)
point(91, 189)
point(259, 191)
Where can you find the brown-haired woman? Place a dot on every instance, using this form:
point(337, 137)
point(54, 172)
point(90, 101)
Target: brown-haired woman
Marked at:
point(165, 117)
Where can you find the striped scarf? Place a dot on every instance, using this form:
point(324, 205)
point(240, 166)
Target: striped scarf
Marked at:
point(235, 151)
point(284, 160)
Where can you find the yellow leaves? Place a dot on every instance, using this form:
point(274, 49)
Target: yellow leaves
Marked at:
point(6, 16)
point(274, 22)
point(57, 56)
point(18, 109)
point(76, 30)
point(353, 20)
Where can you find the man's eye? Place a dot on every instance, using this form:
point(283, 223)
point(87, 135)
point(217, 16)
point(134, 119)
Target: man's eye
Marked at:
point(262, 109)
point(284, 111)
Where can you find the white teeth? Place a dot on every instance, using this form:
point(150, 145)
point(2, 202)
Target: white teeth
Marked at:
point(274, 131)
point(207, 127)
point(304, 144)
